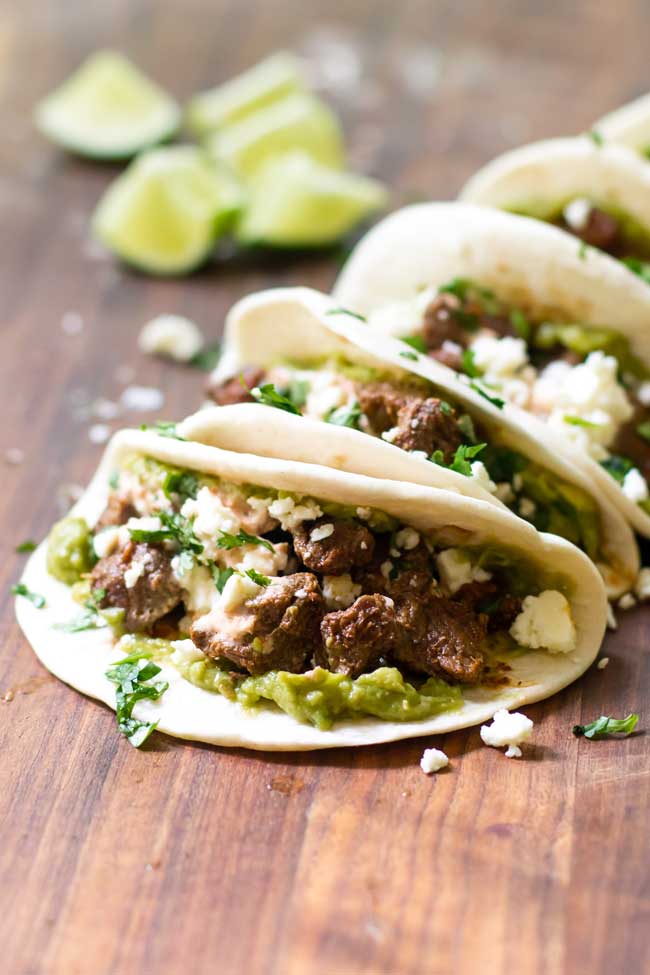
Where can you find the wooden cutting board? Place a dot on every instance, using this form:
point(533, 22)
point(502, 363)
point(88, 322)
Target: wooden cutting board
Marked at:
point(189, 859)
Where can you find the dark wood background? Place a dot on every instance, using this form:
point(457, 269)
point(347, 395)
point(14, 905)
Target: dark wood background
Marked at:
point(184, 858)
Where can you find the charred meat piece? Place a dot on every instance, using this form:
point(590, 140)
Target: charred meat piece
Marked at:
point(441, 636)
point(428, 425)
point(117, 511)
point(443, 323)
point(279, 629)
point(409, 574)
point(484, 597)
point(333, 546)
point(598, 230)
point(354, 639)
point(381, 403)
point(139, 580)
point(237, 389)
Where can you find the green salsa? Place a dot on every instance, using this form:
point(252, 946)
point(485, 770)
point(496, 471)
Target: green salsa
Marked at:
point(69, 550)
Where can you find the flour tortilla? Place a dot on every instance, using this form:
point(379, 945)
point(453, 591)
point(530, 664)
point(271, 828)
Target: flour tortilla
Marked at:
point(628, 125)
point(186, 711)
point(541, 178)
point(529, 264)
point(298, 323)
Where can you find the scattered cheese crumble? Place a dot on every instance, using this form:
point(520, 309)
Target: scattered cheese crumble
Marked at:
point(456, 569)
point(507, 730)
point(481, 476)
point(320, 532)
point(602, 663)
point(635, 486)
point(642, 584)
point(133, 573)
point(627, 601)
point(433, 760)
point(545, 623)
point(171, 335)
point(407, 539)
point(237, 591)
point(340, 591)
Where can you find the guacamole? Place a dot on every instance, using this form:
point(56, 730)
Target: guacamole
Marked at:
point(69, 550)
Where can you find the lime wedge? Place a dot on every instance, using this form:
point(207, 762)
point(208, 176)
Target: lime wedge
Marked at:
point(107, 110)
point(296, 122)
point(297, 202)
point(164, 213)
point(271, 79)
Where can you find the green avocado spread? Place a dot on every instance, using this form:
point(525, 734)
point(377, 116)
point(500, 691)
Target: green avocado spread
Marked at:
point(69, 550)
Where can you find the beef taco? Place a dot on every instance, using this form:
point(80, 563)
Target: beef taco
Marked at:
point(598, 192)
point(512, 304)
point(244, 600)
point(374, 405)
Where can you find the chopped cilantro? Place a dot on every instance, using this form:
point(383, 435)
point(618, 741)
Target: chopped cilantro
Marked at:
point(409, 354)
point(583, 250)
point(133, 677)
point(605, 726)
point(257, 577)
point(114, 480)
point(20, 589)
point(207, 357)
point(416, 342)
point(219, 575)
point(26, 546)
point(164, 428)
point(468, 364)
point(643, 430)
point(228, 541)
point(268, 395)
point(520, 323)
point(174, 527)
point(445, 408)
point(346, 311)
point(642, 268)
point(183, 483)
point(297, 392)
point(91, 618)
point(578, 421)
point(345, 416)
point(466, 427)
point(617, 466)
point(495, 400)
point(595, 137)
point(461, 459)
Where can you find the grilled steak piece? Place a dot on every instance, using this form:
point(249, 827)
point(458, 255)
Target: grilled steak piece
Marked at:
point(237, 389)
point(354, 639)
point(483, 597)
point(117, 511)
point(152, 591)
point(419, 422)
point(441, 636)
point(599, 230)
point(442, 323)
point(279, 629)
point(381, 403)
point(348, 544)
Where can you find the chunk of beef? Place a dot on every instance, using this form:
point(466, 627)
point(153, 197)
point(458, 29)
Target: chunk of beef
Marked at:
point(381, 403)
point(237, 389)
point(600, 230)
point(279, 629)
point(349, 544)
point(442, 323)
point(428, 425)
point(153, 591)
point(488, 597)
point(356, 638)
point(441, 636)
point(630, 444)
point(409, 574)
point(117, 511)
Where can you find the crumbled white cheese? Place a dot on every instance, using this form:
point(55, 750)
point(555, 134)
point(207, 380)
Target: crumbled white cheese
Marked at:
point(327, 392)
point(211, 516)
point(291, 514)
point(406, 539)
point(420, 454)
point(237, 591)
point(517, 482)
point(456, 569)
point(642, 585)
point(150, 523)
point(545, 623)
point(576, 213)
point(498, 358)
point(99, 433)
point(507, 730)
point(612, 622)
point(390, 435)
point(105, 542)
point(320, 532)
point(627, 601)
point(133, 573)
point(185, 652)
point(143, 398)
point(173, 336)
point(482, 478)
point(643, 393)
point(259, 557)
point(527, 508)
point(340, 591)
point(433, 760)
point(364, 513)
point(386, 568)
point(635, 486)
point(200, 593)
point(504, 492)
point(602, 663)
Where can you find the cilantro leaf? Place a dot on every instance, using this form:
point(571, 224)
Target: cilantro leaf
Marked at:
point(578, 421)
point(133, 677)
point(416, 342)
point(409, 354)
point(228, 541)
point(468, 363)
point(495, 400)
point(219, 575)
point(617, 466)
point(183, 483)
point(346, 311)
point(596, 137)
point(520, 323)
point(642, 268)
point(20, 589)
point(164, 428)
point(643, 430)
point(207, 357)
point(27, 546)
point(174, 527)
point(461, 459)
point(257, 577)
point(345, 416)
point(583, 250)
point(268, 395)
point(605, 726)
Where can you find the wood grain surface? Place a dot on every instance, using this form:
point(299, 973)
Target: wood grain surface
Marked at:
point(190, 859)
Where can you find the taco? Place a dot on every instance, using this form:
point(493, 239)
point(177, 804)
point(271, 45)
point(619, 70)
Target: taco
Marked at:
point(628, 125)
point(513, 305)
point(597, 191)
point(370, 404)
point(243, 600)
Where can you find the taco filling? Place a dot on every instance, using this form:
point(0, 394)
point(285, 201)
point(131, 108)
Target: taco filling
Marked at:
point(583, 381)
point(412, 413)
point(324, 610)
